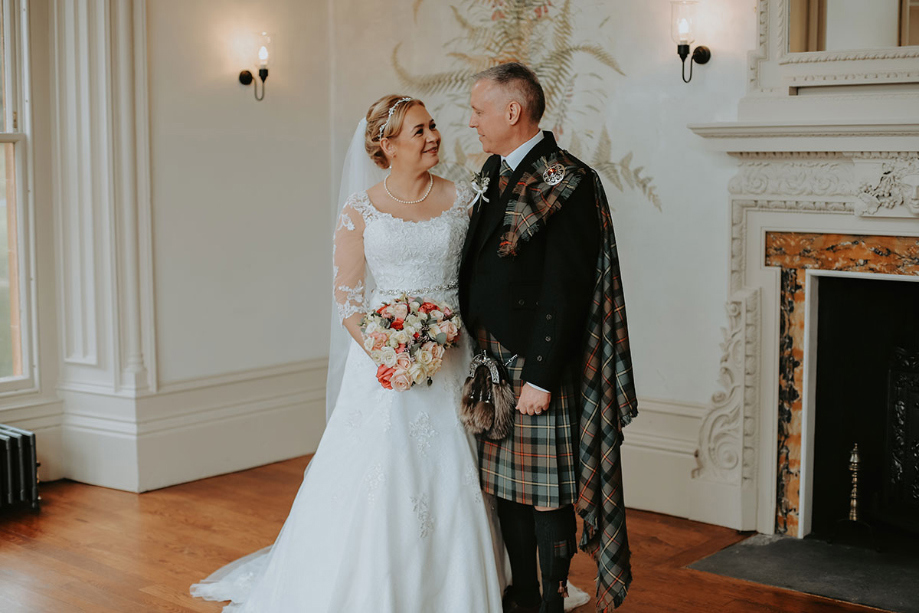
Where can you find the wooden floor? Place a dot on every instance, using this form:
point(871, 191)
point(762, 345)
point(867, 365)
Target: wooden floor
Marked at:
point(104, 551)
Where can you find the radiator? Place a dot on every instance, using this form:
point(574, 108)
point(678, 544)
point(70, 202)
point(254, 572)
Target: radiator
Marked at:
point(18, 469)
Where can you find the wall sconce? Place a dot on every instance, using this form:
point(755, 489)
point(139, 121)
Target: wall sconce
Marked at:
point(246, 78)
point(682, 18)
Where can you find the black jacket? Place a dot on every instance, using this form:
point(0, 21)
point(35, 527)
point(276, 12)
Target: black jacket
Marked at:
point(534, 303)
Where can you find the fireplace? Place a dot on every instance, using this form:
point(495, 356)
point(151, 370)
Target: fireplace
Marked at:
point(866, 394)
point(836, 339)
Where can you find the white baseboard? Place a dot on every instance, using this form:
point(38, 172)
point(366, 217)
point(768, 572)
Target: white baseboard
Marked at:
point(216, 425)
point(658, 456)
point(193, 429)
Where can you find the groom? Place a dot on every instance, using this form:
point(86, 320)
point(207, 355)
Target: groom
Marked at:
point(540, 290)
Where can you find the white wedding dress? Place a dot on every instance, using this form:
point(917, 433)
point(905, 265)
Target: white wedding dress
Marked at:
point(390, 516)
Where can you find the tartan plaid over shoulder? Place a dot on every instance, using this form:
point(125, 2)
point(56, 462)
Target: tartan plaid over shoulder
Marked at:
point(608, 403)
point(534, 199)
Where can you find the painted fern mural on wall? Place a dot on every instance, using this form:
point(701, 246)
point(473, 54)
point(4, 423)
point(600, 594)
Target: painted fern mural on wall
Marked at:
point(541, 34)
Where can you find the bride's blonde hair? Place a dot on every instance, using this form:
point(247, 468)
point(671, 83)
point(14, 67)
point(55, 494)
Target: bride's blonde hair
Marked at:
point(384, 120)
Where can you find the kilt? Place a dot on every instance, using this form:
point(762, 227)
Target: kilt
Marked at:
point(537, 464)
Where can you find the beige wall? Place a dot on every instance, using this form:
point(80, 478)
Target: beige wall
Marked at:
point(240, 188)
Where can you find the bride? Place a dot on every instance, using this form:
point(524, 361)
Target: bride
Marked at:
point(390, 516)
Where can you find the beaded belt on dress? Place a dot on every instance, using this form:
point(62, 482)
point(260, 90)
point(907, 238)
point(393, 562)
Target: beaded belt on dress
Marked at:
point(420, 292)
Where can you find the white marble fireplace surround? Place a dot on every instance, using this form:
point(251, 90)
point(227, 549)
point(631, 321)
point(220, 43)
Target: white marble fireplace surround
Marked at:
point(826, 142)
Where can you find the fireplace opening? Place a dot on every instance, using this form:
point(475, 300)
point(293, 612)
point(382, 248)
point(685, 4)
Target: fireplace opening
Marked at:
point(867, 393)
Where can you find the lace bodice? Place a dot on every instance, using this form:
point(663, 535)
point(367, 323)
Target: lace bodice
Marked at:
point(418, 257)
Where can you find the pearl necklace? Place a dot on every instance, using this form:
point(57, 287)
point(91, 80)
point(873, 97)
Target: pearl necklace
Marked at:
point(430, 185)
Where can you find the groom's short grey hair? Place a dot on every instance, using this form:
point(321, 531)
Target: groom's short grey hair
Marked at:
point(519, 77)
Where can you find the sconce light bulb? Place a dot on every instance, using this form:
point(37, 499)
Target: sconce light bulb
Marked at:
point(683, 27)
point(263, 56)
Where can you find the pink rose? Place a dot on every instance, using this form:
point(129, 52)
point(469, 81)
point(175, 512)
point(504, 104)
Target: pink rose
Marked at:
point(401, 380)
point(400, 310)
point(449, 328)
point(387, 311)
point(379, 340)
point(437, 351)
point(429, 346)
point(403, 361)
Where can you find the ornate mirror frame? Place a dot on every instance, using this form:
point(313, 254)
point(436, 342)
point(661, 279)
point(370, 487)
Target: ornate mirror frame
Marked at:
point(773, 68)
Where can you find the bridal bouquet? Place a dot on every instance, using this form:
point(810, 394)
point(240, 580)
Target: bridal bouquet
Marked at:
point(407, 338)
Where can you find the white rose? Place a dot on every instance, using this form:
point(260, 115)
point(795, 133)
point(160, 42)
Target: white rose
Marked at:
point(376, 356)
point(434, 330)
point(400, 337)
point(437, 315)
point(368, 342)
point(388, 357)
point(371, 328)
point(424, 356)
point(417, 373)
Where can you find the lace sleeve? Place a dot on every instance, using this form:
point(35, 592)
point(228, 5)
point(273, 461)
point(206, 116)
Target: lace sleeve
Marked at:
point(348, 262)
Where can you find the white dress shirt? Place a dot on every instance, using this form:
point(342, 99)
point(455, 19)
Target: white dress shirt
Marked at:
point(514, 158)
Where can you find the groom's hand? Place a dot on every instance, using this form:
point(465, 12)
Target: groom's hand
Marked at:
point(533, 401)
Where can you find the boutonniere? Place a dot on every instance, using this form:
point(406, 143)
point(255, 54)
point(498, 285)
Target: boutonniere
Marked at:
point(480, 185)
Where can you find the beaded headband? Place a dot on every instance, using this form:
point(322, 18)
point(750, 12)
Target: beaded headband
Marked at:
point(392, 110)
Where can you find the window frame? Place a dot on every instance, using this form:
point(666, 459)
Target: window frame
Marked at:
point(18, 131)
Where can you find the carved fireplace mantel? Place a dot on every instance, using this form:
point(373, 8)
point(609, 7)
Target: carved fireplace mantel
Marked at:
point(854, 193)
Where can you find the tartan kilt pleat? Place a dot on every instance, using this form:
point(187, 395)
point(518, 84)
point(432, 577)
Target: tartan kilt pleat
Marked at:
point(537, 463)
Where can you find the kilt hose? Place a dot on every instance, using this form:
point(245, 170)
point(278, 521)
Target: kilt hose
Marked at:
point(537, 464)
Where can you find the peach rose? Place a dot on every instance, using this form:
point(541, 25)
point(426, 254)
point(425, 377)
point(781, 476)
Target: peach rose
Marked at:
point(379, 340)
point(401, 380)
point(437, 351)
point(400, 310)
point(403, 361)
point(449, 328)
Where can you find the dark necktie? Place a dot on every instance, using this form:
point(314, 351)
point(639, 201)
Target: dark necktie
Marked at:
point(504, 177)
